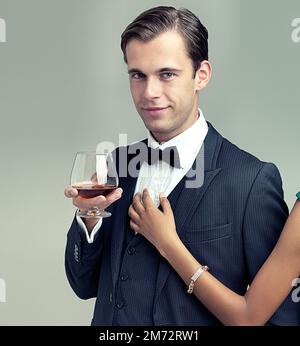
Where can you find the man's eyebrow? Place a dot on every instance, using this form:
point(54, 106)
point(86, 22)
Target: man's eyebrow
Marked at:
point(164, 69)
point(134, 70)
point(169, 69)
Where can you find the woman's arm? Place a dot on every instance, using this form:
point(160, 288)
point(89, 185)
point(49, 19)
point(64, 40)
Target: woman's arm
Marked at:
point(270, 287)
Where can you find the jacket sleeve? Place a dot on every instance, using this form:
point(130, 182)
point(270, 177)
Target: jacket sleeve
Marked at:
point(83, 261)
point(264, 219)
point(82, 258)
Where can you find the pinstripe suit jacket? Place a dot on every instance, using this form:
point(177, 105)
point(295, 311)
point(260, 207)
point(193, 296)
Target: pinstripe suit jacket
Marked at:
point(231, 224)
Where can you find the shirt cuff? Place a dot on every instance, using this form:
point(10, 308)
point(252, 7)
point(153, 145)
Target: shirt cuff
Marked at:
point(90, 237)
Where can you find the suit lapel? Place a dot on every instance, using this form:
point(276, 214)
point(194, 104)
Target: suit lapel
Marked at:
point(190, 199)
point(120, 224)
point(128, 184)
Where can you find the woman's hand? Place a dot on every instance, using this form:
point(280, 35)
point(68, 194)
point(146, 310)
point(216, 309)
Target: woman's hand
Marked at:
point(155, 225)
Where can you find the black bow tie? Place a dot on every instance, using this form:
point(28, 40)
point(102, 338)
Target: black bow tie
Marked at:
point(170, 155)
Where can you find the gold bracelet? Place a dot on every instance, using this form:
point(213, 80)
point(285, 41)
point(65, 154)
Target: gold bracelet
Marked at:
point(194, 278)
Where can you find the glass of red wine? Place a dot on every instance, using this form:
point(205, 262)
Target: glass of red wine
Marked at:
point(93, 175)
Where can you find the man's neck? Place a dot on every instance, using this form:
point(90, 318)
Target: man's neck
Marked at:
point(164, 137)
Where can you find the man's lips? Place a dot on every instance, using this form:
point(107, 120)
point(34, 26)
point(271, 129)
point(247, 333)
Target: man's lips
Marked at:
point(154, 111)
point(154, 108)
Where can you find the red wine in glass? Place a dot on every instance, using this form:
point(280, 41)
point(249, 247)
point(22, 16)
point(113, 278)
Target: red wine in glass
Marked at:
point(94, 190)
point(93, 175)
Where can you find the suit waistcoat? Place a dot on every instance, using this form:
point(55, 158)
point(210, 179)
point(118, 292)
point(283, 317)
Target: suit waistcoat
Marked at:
point(137, 277)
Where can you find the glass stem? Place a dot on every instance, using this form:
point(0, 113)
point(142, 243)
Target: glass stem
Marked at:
point(94, 211)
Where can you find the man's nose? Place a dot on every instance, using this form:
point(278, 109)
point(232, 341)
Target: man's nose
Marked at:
point(153, 88)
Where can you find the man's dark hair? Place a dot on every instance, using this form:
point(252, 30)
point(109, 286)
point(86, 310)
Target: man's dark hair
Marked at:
point(158, 20)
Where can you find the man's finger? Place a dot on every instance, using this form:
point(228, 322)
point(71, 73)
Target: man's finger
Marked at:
point(86, 203)
point(70, 192)
point(94, 178)
point(114, 195)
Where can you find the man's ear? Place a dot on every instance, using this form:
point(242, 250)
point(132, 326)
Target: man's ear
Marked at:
point(203, 75)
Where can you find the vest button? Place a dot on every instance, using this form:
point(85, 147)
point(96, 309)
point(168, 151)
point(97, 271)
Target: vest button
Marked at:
point(124, 277)
point(131, 251)
point(119, 305)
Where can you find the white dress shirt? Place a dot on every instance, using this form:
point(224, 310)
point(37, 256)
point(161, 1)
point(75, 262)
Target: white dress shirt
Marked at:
point(161, 177)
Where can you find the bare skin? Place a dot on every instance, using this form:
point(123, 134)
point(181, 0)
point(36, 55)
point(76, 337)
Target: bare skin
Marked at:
point(261, 299)
point(162, 77)
point(101, 202)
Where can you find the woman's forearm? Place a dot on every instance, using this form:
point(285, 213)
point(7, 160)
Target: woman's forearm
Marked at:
point(227, 306)
point(258, 304)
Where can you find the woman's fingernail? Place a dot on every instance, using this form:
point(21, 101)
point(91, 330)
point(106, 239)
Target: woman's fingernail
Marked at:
point(163, 195)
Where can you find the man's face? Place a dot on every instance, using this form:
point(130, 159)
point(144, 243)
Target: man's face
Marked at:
point(162, 84)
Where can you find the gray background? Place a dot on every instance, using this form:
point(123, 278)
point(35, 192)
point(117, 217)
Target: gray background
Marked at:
point(64, 88)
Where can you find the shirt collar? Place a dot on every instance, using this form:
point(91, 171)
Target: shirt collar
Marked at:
point(188, 142)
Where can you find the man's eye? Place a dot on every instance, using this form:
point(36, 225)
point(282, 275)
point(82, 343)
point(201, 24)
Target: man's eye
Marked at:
point(167, 75)
point(137, 76)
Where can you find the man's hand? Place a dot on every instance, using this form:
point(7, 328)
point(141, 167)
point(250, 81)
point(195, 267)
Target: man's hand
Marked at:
point(101, 202)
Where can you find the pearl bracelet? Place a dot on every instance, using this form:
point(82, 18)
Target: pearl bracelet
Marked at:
point(194, 278)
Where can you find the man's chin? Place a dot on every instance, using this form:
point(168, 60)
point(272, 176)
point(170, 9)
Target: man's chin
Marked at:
point(156, 128)
point(158, 131)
